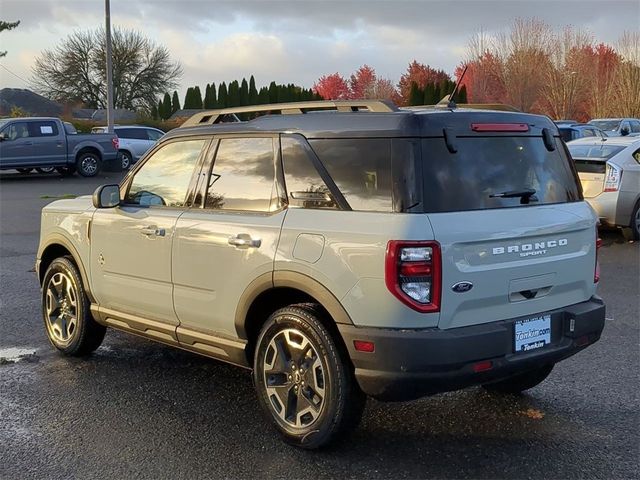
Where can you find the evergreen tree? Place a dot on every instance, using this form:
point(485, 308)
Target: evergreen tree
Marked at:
point(253, 92)
point(175, 102)
point(166, 105)
point(160, 110)
point(263, 96)
point(244, 92)
point(273, 93)
point(197, 97)
point(233, 99)
point(187, 98)
point(462, 95)
point(222, 96)
point(154, 112)
point(210, 96)
point(416, 95)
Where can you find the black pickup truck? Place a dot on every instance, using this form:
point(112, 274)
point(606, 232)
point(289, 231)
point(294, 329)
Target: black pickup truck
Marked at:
point(47, 143)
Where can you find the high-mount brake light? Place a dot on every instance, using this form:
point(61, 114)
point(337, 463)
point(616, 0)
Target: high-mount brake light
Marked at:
point(499, 127)
point(413, 273)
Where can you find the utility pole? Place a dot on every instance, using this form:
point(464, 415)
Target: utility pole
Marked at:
point(107, 11)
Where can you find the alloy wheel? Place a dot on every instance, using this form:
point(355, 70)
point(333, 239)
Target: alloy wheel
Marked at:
point(89, 165)
point(61, 308)
point(294, 378)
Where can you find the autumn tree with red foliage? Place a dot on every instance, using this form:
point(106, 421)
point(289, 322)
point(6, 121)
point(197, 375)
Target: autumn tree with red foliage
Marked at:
point(421, 75)
point(332, 87)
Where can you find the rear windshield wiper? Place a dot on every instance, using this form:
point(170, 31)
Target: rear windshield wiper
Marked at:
point(526, 195)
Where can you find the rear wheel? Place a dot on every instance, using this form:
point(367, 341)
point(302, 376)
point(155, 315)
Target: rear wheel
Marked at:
point(88, 164)
point(126, 159)
point(45, 169)
point(24, 171)
point(303, 381)
point(65, 310)
point(520, 382)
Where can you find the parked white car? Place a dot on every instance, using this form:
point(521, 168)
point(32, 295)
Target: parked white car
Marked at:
point(609, 170)
point(135, 141)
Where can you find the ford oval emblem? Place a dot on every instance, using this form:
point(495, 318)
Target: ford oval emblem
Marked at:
point(462, 287)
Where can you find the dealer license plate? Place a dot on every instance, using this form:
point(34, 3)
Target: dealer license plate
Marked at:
point(532, 333)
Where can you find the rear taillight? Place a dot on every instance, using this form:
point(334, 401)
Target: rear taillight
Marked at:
point(413, 273)
point(612, 178)
point(116, 142)
point(596, 273)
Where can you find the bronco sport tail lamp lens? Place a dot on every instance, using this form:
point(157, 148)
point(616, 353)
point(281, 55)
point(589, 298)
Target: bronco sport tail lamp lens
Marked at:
point(413, 273)
point(612, 178)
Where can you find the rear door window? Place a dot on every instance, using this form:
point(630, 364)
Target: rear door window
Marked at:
point(43, 129)
point(361, 168)
point(484, 167)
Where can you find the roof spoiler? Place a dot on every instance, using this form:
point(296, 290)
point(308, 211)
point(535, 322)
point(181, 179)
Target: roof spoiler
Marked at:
point(226, 115)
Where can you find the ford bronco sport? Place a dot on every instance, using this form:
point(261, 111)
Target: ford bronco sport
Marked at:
point(337, 249)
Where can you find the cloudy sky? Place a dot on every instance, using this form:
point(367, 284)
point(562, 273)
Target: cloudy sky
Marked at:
point(296, 41)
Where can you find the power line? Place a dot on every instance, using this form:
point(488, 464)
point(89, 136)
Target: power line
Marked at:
point(14, 74)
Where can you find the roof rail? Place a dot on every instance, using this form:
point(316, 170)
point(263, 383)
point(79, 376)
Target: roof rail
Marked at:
point(225, 115)
point(475, 106)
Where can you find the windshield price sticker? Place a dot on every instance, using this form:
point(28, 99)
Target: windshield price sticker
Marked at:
point(532, 333)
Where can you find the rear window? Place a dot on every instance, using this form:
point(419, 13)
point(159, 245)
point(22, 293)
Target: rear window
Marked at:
point(590, 166)
point(601, 151)
point(606, 124)
point(486, 166)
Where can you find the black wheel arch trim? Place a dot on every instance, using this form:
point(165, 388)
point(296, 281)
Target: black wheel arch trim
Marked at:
point(288, 279)
point(59, 240)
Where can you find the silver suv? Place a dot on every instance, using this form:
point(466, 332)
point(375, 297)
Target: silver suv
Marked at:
point(337, 249)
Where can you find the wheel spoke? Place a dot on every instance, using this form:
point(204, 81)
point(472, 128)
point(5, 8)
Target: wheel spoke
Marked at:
point(53, 304)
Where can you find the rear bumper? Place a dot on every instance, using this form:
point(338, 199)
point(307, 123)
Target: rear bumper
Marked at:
point(409, 364)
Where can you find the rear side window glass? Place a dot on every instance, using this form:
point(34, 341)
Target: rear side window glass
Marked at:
point(566, 134)
point(133, 133)
point(154, 135)
point(164, 178)
point(43, 129)
point(361, 168)
point(602, 151)
point(305, 187)
point(243, 176)
point(487, 171)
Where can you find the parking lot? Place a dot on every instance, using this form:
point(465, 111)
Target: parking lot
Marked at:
point(137, 409)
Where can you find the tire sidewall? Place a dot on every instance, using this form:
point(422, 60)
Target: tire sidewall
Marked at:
point(64, 265)
point(79, 164)
point(334, 380)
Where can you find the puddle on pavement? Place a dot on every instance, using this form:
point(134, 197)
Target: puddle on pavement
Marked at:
point(13, 354)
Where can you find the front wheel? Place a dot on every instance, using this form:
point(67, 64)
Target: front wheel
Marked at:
point(304, 382)
point(45, 169)
point(65, 310)
point(88, 164)
point(520, 382)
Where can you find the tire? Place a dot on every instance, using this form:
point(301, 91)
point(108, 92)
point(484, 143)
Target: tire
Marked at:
point(88, 164)
point(45, 169)
point(126, 159)
point(24, 171)
point(520, 382)
point(67, 319)
point(66, 171)
point(323, 400)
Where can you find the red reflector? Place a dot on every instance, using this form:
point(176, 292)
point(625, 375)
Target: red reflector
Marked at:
point(416, 269)
point(483, 366)
point(363, 346)
point(499, 127)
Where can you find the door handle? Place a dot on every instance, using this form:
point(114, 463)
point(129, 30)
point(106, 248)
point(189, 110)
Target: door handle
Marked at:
point(153, 232)
point(244, 240)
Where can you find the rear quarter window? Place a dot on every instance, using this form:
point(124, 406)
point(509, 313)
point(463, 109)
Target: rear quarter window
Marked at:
point(361, 169)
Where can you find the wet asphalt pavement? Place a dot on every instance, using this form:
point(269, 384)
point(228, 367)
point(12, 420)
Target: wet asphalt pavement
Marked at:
point(137, 409)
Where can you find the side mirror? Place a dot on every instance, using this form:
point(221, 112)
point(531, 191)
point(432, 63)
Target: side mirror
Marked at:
point(106, 196)
point(624, 131)
point(3, 137)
